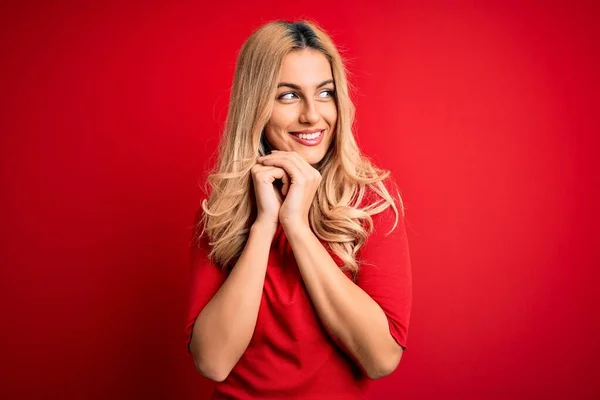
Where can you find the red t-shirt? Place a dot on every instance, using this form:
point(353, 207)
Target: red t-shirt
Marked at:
point(291, 355)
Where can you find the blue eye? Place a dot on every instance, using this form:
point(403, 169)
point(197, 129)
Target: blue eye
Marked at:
point(282, 96)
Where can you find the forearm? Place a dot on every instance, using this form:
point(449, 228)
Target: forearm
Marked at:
point(352, 318)
point(225, 326)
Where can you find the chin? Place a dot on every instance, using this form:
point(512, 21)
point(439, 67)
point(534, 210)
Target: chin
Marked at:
point(312, 159)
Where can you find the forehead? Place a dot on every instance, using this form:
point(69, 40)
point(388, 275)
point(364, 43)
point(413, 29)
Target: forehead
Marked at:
point(306, 68)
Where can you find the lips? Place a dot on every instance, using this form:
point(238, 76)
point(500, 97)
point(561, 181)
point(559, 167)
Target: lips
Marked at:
point(309, 142)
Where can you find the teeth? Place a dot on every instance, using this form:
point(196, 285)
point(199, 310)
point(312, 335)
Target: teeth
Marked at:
point(308, 136)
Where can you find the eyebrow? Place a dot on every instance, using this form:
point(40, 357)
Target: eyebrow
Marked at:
point(294, 86)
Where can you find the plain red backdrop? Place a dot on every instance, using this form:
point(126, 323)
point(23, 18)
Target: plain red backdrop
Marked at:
point(487, 116)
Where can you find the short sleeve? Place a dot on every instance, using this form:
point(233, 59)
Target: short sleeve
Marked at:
point(385, 272)
point(205, 280)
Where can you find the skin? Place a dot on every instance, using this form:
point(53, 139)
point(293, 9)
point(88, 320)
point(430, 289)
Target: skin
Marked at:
point(353, 319)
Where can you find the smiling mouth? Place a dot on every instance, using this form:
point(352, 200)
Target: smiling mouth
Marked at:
point(308, 136)
point(310, 139)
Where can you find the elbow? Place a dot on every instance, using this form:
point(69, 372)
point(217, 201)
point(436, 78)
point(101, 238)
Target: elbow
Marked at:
point(378, 373)
point(385, 368)
point(206, 368)
point(209, 371)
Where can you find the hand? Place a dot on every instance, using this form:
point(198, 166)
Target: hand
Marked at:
point(268, 197)
point(299, 191)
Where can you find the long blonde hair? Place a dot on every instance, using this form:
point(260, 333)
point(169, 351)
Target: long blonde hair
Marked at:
point(335, 216)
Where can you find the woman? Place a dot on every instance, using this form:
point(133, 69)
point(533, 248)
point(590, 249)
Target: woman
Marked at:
point(298, 288)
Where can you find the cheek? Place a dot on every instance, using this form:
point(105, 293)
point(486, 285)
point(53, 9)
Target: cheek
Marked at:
point(276, 131)
point(331, 118)
point(330, 112)
point(281, 119)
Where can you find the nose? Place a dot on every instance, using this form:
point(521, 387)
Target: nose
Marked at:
point(309, 114)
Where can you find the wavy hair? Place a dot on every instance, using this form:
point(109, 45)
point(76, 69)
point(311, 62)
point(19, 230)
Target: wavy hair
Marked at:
point(336, 215)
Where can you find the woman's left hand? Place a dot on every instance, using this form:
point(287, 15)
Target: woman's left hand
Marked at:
point(299, 194)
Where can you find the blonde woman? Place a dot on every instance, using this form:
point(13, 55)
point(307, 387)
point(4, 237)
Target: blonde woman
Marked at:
point(301, 279)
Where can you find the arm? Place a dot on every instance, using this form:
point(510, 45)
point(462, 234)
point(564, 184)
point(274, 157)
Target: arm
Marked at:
point(224, 327)
point(350, 315)
point(369, 319)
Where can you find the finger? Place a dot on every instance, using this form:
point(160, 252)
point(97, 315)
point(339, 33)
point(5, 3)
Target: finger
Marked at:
point(285, 179)
point(303, 165)
point(289, 163)
point(279, 173)
point(269, 173)
point(276, 173)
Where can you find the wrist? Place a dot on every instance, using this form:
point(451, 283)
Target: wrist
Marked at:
point(295, 226)
point(264, 229)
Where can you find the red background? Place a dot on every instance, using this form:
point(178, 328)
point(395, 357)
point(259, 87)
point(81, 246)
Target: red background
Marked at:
point(487, 116)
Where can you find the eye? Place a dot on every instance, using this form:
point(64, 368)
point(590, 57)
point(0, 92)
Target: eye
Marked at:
point(330, 92)
point(282, 96)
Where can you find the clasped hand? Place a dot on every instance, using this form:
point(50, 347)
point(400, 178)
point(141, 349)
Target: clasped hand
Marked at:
point(300, 183)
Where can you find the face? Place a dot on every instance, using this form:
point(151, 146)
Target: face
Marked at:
point(305, 101)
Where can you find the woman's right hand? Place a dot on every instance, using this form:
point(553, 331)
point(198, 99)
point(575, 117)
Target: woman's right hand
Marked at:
point(268, 197)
